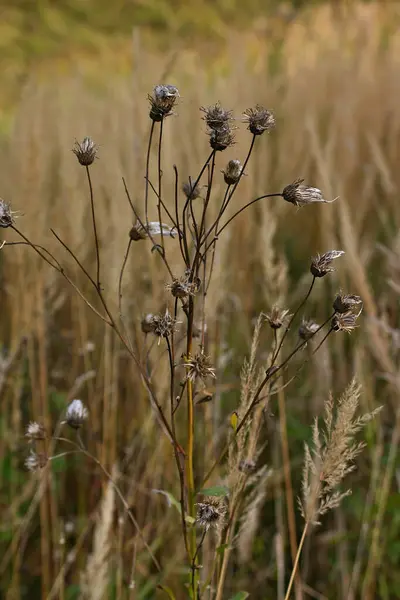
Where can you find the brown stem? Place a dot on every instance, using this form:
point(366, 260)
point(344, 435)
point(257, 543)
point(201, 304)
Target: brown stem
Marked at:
point(96, 239)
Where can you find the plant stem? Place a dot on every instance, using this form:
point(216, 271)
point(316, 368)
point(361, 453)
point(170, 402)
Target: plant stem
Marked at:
point(296, 562)
point(96, 239)
point(146, 189)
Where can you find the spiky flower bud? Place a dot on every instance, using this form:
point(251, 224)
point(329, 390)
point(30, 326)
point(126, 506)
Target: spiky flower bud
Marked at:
point(35, 431)
point(199, 366)
point(190, 190)
point(183, 287)
point(259, 119)
point(307, 329)
point(163, 325)
point(233, 171)
point(6, 215)
point(345, 321)
point(321, 264)
point(277, 317)
point(216, 117)
point(35, 462)
point(211, 513)
point(300, 195)
point(220, 139)
point(162, 101)
point(86, 151)
point(147, 323)
point(76, 414)
point(346, 302)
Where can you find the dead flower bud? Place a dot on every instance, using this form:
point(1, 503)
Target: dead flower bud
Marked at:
point(76, 414)
point(216, 117)
point(247, 466)
point(162, 101)
point(211, 513)
point(85, 152)
point(199, 366)
point(259, 119)
point(233, 172)
point(277, 317)
point(220, 139)
point(6, 215)
point(35, 431)
point(35, 462)
point(183, 287)
point(300, 195)
point(346, 302)
point(163, 325)
point(345, 321)
point(147, 323)
point(190, 190)
point(321, 264)
point(307, 329)
point(138, 231)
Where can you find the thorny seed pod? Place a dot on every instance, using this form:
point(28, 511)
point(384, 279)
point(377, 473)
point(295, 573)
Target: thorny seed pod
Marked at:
point(147, 323)
point(190, 190)
point(220, 139)
point(321, 264)
point(233, 171)
point(216, 117)
point(35, 461)
point(345, 321)
point(35, 431)
point(86, 151)
point(346, 302)
point(259, 119)
point(162, 101)
point(163, 325)
point(211, 513)
point(300, 195)
point(76, 414)
point(6, 215)
point(199, 366)
point(183, 287)
point(277, 317)
point(307, 329)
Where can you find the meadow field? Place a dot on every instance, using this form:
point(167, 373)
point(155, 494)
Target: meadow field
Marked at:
point(202, 421)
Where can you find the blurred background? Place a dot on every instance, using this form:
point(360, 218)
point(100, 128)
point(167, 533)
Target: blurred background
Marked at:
point(330, 71)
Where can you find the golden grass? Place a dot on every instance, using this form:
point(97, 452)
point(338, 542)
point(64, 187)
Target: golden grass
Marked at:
point(334, 85)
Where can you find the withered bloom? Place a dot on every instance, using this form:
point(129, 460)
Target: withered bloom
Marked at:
point(346, 302)
point(321, 264)
point(190, 190)
point(183, 287)
point(86, 151)
point(211, 513)
point(298, 194)
point(35, 431)
point(199, 366)
point(147, 323)
point(35, 462)
point(233, 171)
point(259, 119)
point(139, 232)
point(76, 414)
point(345, 321)
point(220, 139)
point(6, 216)
point(307, 329)
point(163, 325)
point(277, 317)
point(162, 101)
point(217, 117)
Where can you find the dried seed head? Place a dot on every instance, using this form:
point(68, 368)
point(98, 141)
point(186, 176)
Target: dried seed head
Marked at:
point(35, 461)
point(138, 231)
point(199, 366)
point(345, 321)
point(162, 101)
point(233, 171)
point(211, 513)
point(163, 325)
point(321, 264)
point(307, 329)
point(277, 317)
point(35, 431)
point(346, 302)
point(216, 117)
point(6, 215)
point(220, 139)
point(76, 414)
point(300, 195)
point(259, 119)
point(247, 466)
point(147, 323)
point(86, 151)
point(183, 287)
point(190, 190)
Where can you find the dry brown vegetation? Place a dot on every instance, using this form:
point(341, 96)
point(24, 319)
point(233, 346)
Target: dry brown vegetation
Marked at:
point(334, 86)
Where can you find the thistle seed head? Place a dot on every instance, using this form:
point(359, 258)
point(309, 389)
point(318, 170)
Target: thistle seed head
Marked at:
point(137, 232)
point(35, 431)
point(321, 264)
point(220, 139)
point(346, 302)
point(147, 323)
point(162, 101)
point(190, 190)
point(211, 513)
point(298, 194)
point(233, 171)
point(6, 215)
point(259, 119)
point(307, 329)
point(345, 321)
point(35, 461)
point(76, 414)
point(163, 325)
point(277, 317)
point(183, 287)
point(199, 366)
point(85, 152)
point(216, 117)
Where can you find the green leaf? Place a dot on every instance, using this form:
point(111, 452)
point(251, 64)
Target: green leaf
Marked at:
point(218, 490)
point(168, 591)
point(221, 549)
point(240, 596)
point(172, 501)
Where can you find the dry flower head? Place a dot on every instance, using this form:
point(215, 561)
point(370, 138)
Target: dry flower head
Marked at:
point(211, 513)
point(300, 195)
point(85, 151)
point(321, 264)
point(259, 119)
